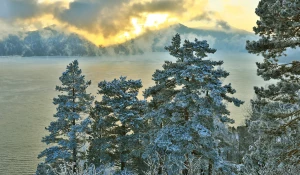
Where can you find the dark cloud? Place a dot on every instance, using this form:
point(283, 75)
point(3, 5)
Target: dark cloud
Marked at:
point(11, 10)
point(83, 15)
point(170, 6)
point(111, 16)
point(223, 25)
point(94, 16)
point(108, 17)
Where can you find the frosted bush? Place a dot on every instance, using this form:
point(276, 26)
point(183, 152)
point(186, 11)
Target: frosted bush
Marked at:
point(67, 169)
point(286, 170)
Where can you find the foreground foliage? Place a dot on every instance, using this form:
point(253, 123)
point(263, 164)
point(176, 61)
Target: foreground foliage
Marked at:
point(118, 125)
point(187, 109)
point(67, 134)
point(276, 111)
point(183, 127)
point(181, 130)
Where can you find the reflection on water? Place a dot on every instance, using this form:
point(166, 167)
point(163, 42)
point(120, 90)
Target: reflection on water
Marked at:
point(27, 89)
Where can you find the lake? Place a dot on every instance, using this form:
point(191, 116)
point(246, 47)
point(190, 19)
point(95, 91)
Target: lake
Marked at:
point(27, 88)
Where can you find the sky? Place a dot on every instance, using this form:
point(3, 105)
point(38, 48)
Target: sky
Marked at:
point(107, 22)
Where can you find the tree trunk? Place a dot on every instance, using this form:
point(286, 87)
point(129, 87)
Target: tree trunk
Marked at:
point(73, 123)
point(210, 167)
point(74, 157)
point(160, 169)
point(185, 171)
point(123, 163)
point(186, 162)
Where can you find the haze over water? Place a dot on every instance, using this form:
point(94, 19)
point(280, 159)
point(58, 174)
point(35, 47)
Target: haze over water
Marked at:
point(27, 89)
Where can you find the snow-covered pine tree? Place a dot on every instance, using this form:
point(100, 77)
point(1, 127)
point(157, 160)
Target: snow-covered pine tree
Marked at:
point(278, 28)
point(117, 125)
point(186, 107)
point(276, 110)
point(68, 132)
point(277, 144)
point(274, 121)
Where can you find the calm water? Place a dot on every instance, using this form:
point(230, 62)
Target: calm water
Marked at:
point(27, 89)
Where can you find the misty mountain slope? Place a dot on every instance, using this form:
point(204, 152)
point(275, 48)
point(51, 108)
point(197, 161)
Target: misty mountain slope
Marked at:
point(231, 40)
point(51, 42)
point(48, 42)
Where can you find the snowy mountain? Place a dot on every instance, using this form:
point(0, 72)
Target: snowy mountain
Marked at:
point(47, 42)
point(51, 42)
point(231, 40)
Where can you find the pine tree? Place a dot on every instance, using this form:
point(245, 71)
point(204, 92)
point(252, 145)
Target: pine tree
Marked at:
point(274, 121)
point(278, 27)
point(186, 107)
point(118, 125)
point(67, 132)
point(276, 107)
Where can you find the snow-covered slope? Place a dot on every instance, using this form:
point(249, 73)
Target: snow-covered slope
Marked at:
point(232, 40)
point(52, 42)
point(47, 42)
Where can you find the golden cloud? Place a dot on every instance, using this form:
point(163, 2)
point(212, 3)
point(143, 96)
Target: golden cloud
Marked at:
point(113, 21)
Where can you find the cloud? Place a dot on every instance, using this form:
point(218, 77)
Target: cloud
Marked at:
point(11, 10)
point(104, 21)
point(106, 17)
point(111, 17)
point(223, 24)
point(169, 6)
point(207, 16)
point(158, 40)
point(6, 30)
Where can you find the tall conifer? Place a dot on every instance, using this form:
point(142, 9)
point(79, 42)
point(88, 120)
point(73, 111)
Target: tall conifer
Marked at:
point(68, 132)
point(186, 107)
point(118, 125)
point(276, 109)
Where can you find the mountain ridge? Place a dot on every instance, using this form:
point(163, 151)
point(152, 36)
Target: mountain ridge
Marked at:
point(51, 42)
point(233, 40)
